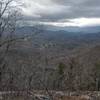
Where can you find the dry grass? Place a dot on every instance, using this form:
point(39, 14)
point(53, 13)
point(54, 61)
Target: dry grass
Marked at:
point(72, 98)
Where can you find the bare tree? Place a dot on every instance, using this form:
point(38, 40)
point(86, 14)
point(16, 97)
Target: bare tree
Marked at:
point(8, 19)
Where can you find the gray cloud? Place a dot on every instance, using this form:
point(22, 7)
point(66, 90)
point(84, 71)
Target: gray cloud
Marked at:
point(58, 10)
point(81, 8)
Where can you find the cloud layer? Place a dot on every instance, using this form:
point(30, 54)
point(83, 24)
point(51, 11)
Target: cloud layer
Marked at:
point(59, 11)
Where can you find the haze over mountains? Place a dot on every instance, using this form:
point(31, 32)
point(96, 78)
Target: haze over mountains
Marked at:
point(72, 29)
point(85, 29)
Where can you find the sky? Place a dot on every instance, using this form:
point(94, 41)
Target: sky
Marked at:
point(62, 12)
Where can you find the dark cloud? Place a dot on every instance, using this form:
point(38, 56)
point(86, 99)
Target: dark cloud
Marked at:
point(81, 8)
point(58, 10)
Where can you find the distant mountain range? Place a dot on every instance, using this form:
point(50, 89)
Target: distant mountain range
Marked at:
point(88, 29)
point(51, 29)
point(69, 38)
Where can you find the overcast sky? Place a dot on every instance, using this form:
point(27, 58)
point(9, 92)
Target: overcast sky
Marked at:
point(62, 12)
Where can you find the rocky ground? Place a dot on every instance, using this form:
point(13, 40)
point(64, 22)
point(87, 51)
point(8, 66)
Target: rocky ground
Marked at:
point(50, 95)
